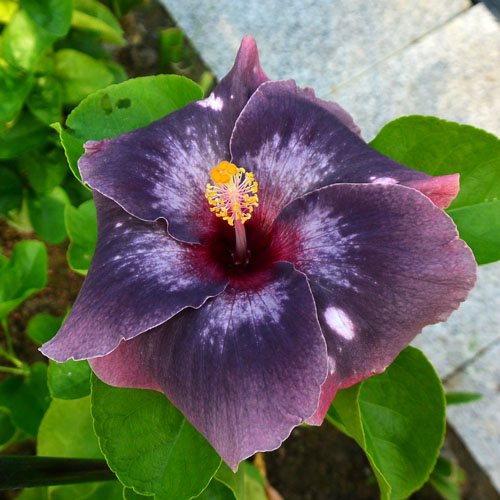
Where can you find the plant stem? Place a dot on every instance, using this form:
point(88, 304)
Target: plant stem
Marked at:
point(8, 337)
point(9, 353)
point(25, 472)
point(12, 358)
point(14, 371)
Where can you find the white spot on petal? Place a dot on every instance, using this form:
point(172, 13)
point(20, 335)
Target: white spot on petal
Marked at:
point(339, 322)
point(118, 224)
point(384, 180)
point(212, 102)
point(331, 366)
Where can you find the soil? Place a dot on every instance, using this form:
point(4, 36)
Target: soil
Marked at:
point(314, 463)
point(321, 463)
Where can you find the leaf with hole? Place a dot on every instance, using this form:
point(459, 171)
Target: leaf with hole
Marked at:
point(123, 107)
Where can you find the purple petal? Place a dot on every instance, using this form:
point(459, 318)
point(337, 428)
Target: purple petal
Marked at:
point(383, 262)
point(295, 143)
point(161, 171)
point(139, 278)
point(244, 369)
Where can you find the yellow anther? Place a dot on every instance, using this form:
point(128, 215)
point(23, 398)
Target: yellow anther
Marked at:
point(234, 195)
point(231, 169)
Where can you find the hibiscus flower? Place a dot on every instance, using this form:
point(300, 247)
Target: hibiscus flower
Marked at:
point(254, 256)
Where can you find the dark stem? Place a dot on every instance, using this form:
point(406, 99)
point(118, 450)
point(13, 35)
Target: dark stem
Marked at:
point(25, 472)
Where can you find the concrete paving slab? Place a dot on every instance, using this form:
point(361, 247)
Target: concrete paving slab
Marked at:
point(320, 43)
point(453, 73)
point(478, 422)
point(469, 330)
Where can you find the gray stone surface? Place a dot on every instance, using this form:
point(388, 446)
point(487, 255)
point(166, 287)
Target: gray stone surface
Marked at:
point(473, 327)
point(478, 423)
point(320, 43)
point(453, 73)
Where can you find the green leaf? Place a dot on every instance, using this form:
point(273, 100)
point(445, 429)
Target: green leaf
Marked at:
point(7, 428)
point(130, 494)
point(171, 46)
point(22, 136)
point(207, 82)
point(447, 479)
point(7, 10)
point(149, 444)
point(109, 490)
point(52, 15)
point(14, 88)
point(119, 73)
point(81, 225)
point(130, 105)
point(27, 398)
point(216, 490)
point(46, 213)
point(124, 107)
point(73, 149)
point(121, 7)
point(25, 274)
point(80, 74)
point(439, 147)
point(45, 100)
point(398, 418)
point(77, 192)
point(457, 398)
point(42, 327)
point(34, 494)
point(11, 192)
point(23, 41)
point(94, 16)
point(45, 169)
point(246, 484)
point(84, 41)
point(67, 430)
point(70, 380)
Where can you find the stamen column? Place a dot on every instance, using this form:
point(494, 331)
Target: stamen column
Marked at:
point(240, 252)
